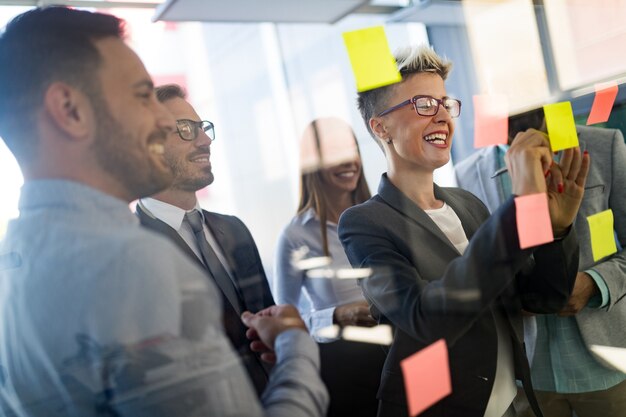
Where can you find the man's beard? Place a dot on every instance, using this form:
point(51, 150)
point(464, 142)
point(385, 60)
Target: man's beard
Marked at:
point(185, 182)
point(117, 153)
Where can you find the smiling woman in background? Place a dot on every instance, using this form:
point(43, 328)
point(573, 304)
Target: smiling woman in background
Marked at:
point(331, 181)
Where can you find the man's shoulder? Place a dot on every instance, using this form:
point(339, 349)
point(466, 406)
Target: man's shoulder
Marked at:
point(144, 244)
point(227, 223)
point(591, 134)
point(469, 162)
point(369, 211)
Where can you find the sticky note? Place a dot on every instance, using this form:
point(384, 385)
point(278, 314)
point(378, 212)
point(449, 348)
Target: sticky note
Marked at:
point(533, 220)
point(372, 62)
point(491, 120)
point(426, 377)
point(602, 237)
point(561, 127)
point(602, 103)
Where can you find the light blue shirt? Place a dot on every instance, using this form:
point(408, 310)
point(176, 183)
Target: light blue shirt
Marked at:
point(302, 235)
point(98, 313)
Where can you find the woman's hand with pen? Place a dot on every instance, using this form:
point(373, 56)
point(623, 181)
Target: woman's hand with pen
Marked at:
point(533, 170)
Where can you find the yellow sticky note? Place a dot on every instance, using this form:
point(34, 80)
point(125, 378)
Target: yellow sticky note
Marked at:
point(372, 62)
point(561, 126)
point(602, 237)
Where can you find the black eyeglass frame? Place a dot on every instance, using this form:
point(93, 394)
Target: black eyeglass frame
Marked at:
point(206, 126)
point(413, 100)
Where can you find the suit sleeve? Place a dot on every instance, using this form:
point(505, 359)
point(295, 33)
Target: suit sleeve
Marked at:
point(447, 307)
point(613, 269)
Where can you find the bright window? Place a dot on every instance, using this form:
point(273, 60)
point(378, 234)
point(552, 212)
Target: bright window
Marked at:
point(588, 39)
point(507, 50)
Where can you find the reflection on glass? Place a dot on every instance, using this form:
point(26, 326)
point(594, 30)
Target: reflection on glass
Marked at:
point(507, 51)
point(586, 37)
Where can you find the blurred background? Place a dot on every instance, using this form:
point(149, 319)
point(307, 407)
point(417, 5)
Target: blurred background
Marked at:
point(260, 70)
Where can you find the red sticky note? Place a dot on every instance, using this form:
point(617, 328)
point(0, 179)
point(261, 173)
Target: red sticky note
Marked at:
point(491, 120)
point(602, 103)
point(426, 377)
point(533, 220)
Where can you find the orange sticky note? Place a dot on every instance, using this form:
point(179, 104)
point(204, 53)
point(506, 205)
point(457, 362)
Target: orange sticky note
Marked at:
point(602, 103)
point(491, 120)
point(533, 220)
point(372, 62)
point(602, 237)
point(561, 127)
point(426, 377)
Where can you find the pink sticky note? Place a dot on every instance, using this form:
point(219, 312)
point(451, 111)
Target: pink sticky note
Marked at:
point(426, 377)
point(602, 103)
point(533, 220)
point(491, 120)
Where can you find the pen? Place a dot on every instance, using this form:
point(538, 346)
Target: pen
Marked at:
point(505, 169)
point(499, 172)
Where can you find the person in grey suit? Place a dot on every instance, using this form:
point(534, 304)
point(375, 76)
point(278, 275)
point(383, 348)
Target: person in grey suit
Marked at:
point(564, 371)
point(442, 267)
point(237, 271)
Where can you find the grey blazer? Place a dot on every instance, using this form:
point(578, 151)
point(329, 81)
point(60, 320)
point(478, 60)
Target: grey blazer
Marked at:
point(427, 291)
point(605, 188)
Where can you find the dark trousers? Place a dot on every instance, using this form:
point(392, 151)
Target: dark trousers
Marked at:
point(351, 372)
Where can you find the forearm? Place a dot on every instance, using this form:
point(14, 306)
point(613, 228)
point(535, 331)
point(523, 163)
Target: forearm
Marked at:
point(295, 388)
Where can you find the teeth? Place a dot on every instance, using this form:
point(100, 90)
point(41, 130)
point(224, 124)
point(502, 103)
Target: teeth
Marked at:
point(156, 148)
point(436, 138)
point(200, 159)
point(346, 174)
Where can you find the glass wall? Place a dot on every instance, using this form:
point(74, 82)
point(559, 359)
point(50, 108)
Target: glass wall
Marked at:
point(262, 83)
point(588, 39)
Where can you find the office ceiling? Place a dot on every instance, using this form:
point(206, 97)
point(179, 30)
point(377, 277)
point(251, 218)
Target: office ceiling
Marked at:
point(279, 11)
point(430, 12)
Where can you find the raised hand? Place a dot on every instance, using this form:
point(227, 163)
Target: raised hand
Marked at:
point(566, 186)
point(528, 159)
point(267, 324)
point(532, 170)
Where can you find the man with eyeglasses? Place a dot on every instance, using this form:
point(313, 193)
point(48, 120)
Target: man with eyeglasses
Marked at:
point(98, 315)
point(222, 245)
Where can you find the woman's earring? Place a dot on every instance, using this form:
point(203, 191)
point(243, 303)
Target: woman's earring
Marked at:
point(389, 141)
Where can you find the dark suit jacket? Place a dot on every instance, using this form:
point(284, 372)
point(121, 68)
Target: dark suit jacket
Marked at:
point(242, 255)
point(427, 291)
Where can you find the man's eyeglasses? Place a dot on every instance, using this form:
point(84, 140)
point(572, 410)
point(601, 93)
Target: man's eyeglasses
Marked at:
point(188, 129)
point(428, 106)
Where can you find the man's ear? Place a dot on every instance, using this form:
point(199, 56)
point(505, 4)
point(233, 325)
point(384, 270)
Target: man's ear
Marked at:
point(69, 109)
point(379, 129)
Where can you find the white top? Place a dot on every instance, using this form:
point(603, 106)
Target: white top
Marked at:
point(504, 388)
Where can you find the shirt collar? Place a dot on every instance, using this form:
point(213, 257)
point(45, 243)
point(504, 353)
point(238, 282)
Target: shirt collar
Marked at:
point(168, 213)
point(307, 216)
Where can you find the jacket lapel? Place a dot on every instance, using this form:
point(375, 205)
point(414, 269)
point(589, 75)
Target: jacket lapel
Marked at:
point(396, 199)
point(469, 220)
point(148, 220)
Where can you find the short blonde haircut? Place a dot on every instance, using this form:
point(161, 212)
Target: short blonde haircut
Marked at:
point(411, 60)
